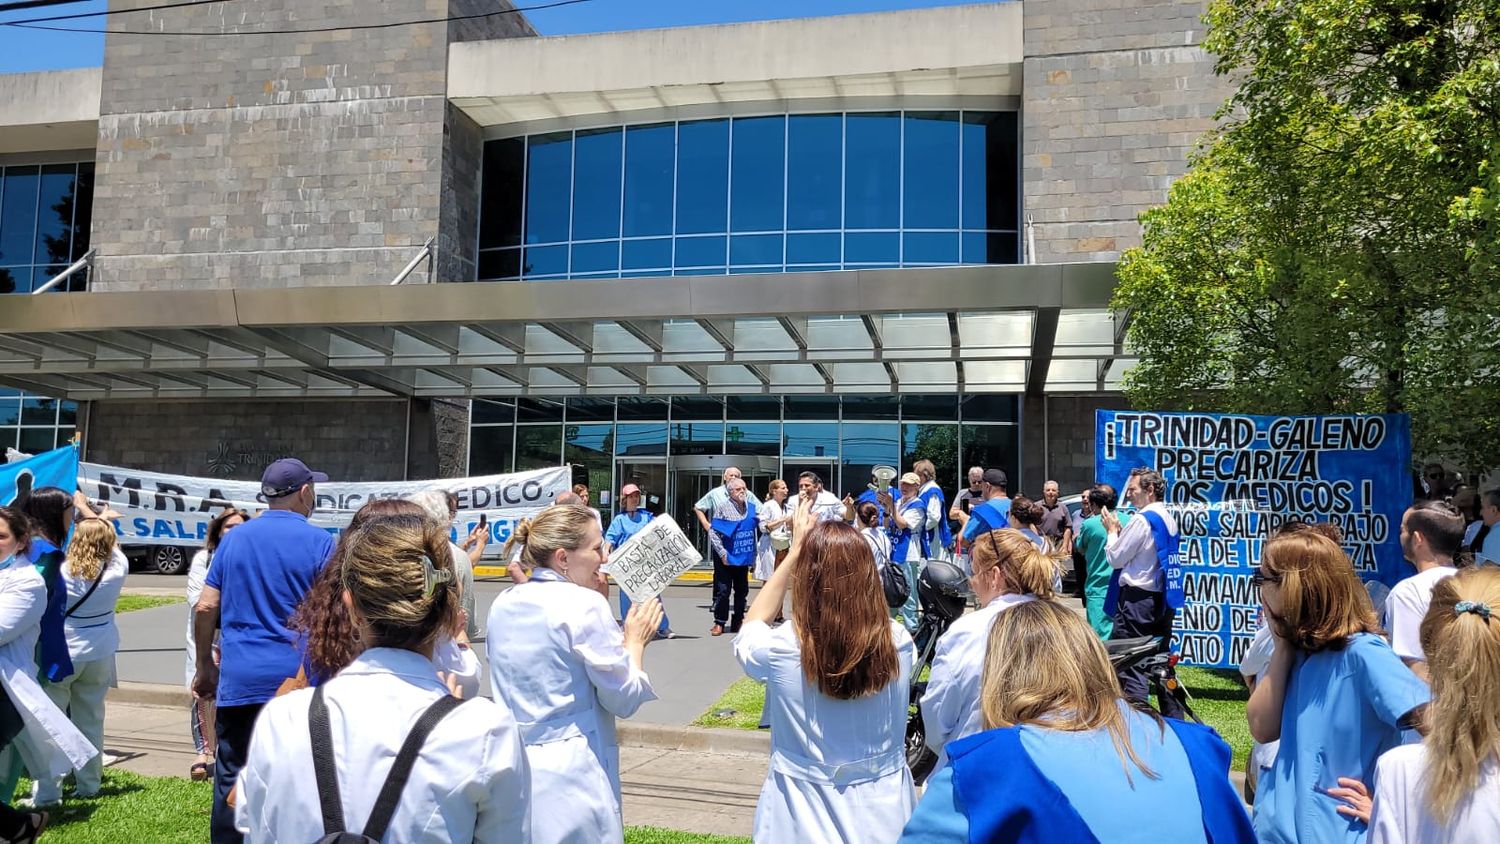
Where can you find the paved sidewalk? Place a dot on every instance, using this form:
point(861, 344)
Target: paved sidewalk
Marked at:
point(693, 780)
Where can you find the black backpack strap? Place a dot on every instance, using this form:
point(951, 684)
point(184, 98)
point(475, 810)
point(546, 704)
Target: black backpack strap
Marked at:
point(323, 765)
point(395, 781)
point(89, 594)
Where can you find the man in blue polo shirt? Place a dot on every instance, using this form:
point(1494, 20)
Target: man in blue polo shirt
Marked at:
point(260, 573)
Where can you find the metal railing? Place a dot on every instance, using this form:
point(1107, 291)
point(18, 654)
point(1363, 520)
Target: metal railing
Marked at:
point(86, 261)
point(424, 252)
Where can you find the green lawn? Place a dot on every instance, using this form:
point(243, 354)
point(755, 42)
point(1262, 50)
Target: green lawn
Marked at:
point(131, 603)
point(165, 810)
point(1218, 697)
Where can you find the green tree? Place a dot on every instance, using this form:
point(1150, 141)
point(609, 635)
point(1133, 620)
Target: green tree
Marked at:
point(1335, 245)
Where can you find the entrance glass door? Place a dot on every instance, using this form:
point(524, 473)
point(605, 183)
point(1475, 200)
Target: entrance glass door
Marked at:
point(693, 477)
point(790, 469)
point(650, 476)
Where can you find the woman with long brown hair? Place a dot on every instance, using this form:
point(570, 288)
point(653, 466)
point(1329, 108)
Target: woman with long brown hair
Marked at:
point(836, 692)
point(1064, 757)
point(1334, 693)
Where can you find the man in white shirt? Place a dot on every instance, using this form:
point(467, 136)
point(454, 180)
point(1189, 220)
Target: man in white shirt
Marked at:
point(1141, 607)
point(718, 495)
point(825, 505)
point(1431, 533)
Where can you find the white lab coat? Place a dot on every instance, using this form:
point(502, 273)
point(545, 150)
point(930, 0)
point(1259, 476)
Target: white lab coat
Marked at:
point(950, 706)
point(469, 783)
point(197, 573)
point(561, 667)
point(460, 662)
point(838, 767)
point(49, 745)
point(765, 551)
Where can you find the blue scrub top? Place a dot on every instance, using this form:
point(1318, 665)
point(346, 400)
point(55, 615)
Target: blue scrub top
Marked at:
point(1341, 712)
point(625, 525)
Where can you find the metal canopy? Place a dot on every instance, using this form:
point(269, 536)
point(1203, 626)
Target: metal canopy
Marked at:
point(1037, 328)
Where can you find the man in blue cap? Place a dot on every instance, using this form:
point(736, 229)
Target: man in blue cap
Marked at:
point(260, 573)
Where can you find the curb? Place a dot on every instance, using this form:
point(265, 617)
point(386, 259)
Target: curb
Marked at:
point(658, 736)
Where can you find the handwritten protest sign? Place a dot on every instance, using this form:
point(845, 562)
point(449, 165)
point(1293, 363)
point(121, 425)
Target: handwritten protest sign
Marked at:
point(1233, 481)
point(649, 561)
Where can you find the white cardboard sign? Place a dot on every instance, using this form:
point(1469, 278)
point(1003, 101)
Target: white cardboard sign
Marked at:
point(649, 561)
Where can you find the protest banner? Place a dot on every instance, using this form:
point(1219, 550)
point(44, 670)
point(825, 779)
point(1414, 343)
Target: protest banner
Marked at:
point(162, 509)
point(1233, 481)
point(58, 468)
point(649, 561)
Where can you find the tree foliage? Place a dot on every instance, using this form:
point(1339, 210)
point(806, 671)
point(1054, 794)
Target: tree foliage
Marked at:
point(1335, 245)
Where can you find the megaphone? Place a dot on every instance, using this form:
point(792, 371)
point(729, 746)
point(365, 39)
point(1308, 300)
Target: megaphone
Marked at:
point(883, 477)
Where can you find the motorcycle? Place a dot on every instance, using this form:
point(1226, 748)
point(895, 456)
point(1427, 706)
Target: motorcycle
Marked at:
point(1159, 666)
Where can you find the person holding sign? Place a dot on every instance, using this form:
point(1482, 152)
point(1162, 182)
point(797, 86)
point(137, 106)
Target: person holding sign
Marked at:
point(1335, 693)
point(1146, 591)
point(627, 523)
point(733, 534)
point(567, 670)
point(836, 693)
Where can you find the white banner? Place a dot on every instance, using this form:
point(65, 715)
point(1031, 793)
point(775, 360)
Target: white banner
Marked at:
point(158, 509)
point(649, 561)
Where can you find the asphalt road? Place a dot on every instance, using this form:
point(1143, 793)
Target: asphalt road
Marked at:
point(688, 672)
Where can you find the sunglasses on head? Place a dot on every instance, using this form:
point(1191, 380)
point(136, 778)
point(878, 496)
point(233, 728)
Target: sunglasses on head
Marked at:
point(1261, 577)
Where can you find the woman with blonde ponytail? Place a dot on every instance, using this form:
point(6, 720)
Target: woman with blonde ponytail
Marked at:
point(1009, 569)
point(337, 757)
point(1446, 790)
point(567, 670)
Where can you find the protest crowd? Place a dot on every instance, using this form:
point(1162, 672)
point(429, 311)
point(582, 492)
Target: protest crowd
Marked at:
point(337, 690)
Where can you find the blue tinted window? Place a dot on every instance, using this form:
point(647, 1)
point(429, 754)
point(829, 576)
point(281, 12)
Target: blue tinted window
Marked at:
point(55, 216)
point(545, 260)
point(931, 170)
point(18, 216)
point(649, 152)
point(702, 176)
point(503, 187)
point(596, 184)
point(813, 248)
point(499, 263)
point(814, 178)
point(755, 249)
point(872, 247)
point(596, 257)
point(759, 159)
point(930, 248)
point(549, 178)
point(989, 170)
point(638, 439)
point(810, 439)
point(650, 254)
point(700, 251)
point(872, 171)
point(981, 248)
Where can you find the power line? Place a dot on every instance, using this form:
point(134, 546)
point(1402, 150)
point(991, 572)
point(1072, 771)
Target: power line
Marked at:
point(343, 28)
point(31, 4)
point(99, 14)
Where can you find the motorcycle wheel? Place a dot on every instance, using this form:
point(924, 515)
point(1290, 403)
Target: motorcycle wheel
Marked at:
point(919, 757)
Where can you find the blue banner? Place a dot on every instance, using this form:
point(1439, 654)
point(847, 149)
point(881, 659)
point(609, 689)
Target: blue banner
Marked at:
point(58, 468)
point(1232, 481)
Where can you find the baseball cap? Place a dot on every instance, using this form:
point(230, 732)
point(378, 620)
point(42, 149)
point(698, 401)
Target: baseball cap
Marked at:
point(996, 477)
point(629, 489)
point(911, 478)
point(286, 476)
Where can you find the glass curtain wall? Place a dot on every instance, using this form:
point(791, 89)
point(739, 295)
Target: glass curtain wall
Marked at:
point(32, 424)
point(755, 194)
point(847, 434)
point(44, 224)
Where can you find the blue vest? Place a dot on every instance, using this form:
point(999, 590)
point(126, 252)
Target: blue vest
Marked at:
point(738, 537)
point(1166, 544)
point(940, 530)
point(900, 541)
point(993, 514)
point(868, 496)
point(1006, 798)
point(52, 658)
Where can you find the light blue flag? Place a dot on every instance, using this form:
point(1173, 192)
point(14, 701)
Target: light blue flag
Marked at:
point(58, 468)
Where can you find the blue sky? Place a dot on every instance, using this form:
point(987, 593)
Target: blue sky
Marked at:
point(27, 49)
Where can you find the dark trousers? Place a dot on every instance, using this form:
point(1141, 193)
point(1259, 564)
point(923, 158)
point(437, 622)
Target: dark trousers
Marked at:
point(235, 724)
point(727, 578)
point(1143, 613)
